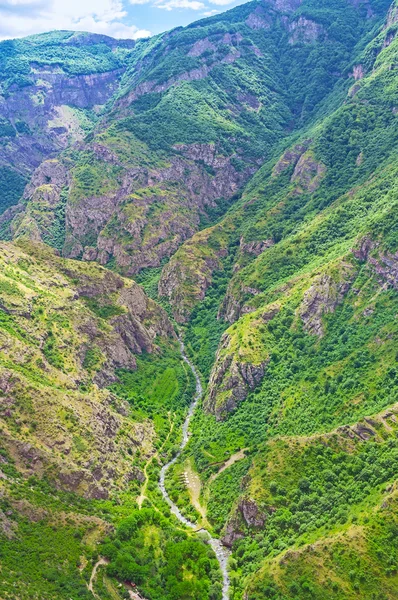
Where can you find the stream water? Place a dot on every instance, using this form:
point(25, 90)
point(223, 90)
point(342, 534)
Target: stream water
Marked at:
point(220, 551)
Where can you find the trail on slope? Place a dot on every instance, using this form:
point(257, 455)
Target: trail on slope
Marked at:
point(99, 563)
point(231, 461)
point(220, 551)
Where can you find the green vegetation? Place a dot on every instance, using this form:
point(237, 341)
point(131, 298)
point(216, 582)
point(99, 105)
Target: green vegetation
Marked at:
point(268, 142)
point(321, 298)
point(204, 329)
point(31, 566)
point(61, 50)
point(166, 563)
point(168, 396)
point(59, 508)
point(12, 185)
point(334, 496)
point(55, 235)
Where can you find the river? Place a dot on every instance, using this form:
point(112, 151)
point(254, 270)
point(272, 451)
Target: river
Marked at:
point(220, 551)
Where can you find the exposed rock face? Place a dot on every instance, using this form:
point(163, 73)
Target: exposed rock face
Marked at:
point(42, 198)
point(233, 531)
point(55, 123)
point(386, 269)
point(192, 75)
point(183, 190)
point(186, 278)
point(246, 515)
point(365, 246)
point(201, 46)
point(251, 513)
point(256, 247)
point(358, 72)
point(354, 89)
point(259, 19)
point(231, 381)
point(8, 527)
point(285, 5)
point(308, 173)
point(321, 298)
point(249, 100)
point(133, 331)
point(392, 17)
point(44, 113)
point(50, 173)
point(230, 309)
point(101, 228)
point(371, 428)
point(305, 31)
point(270, 313)
point(385, 265)
point(290, 157)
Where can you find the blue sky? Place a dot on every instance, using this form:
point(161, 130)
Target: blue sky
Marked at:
point(165, 14)
point(118, 18)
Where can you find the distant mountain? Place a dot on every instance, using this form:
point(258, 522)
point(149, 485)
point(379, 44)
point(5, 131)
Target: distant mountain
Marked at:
point(52, 88)
point(196, 113)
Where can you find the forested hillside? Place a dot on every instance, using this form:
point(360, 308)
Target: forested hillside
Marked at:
point(243, 170)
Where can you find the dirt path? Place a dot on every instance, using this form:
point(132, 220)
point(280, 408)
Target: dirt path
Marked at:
point(99, 563)
point(194, 486)
point(231, 461)
point(142, 496)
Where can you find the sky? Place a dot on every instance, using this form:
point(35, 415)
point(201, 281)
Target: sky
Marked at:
point(117, 18)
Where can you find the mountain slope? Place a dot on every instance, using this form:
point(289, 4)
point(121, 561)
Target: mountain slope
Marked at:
point(66, 329)
point(198, 110)
point(51, 88)
point(303, 272)
point(80, 426)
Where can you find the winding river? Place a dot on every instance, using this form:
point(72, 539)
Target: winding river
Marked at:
point(220, 551)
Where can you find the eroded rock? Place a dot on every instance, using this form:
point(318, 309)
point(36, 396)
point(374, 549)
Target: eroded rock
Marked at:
point(308, 173)
point(321, 298)
point(255, 247)
point(290, 157)
point(251, 513)
point(305, 31)
point(231, 380)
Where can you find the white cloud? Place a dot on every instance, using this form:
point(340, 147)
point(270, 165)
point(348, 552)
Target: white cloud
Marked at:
point(210, 13)
point(221, 2)
point(25, 17)
point(171, 4)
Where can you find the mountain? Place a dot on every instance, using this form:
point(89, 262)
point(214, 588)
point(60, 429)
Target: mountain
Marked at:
point(79, 429)
point(196, 113)
point(243, 170)
point(53, 87)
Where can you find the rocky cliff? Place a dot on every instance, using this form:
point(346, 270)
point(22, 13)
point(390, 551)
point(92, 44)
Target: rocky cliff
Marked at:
point(51, 88)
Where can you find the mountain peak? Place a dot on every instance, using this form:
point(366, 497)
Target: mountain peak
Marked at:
point(285, 5)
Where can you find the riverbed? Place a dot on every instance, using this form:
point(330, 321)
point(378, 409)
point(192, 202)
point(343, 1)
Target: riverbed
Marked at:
point(220, 551)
